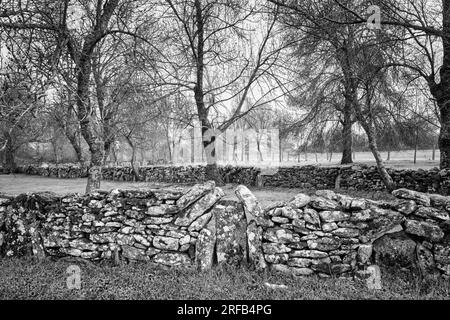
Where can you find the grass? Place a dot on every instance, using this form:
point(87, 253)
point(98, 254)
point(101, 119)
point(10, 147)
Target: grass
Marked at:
point(28, 279)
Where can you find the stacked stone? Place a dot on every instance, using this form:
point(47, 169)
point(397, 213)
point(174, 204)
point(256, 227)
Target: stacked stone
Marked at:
point(319, 234)
point(444, 179)
point(163, 226)
point(428, 225)
point(63, 171)
point(332, 234)
point(325, 234)
point(120, 173)
point(303, 177)
point(358, 177)
point(367, 178)
point(4, 203)
point(240, 175)
point(181, 174)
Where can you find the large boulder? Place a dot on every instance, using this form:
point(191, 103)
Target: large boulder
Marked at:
point(199, 207)
point(231, 246)
point(254, 242)
point(383, 222)
point(321, 203)
point(426, 230)
point(195, 193)
point(300, 201)
point(252, 207)
point(204, 253)
point(418, 197)
point(432, 213)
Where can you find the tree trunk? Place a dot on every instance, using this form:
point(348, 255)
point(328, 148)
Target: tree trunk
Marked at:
point(106, 115)
point(90, 126)
point(209, 145)
point(88, 116)
point(169, 149)
point(137, 176)
point(9, 155)
point(346, 58)
point(72, 131)
point(441, 91)
point(76, 144)
point(415, 146)
point(113, 153)
point(347, 139)
point(444, 136)
point(433, 156)
point(212, 171)
point(371, 136)
point(280, 149)
point(389, 156)
point(108, 147)
point(55, 150)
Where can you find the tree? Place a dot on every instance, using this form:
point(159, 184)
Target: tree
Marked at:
point(348, 48)
point(427, 24)
point(76, 28)
point(207, 59)
point(22, 92)
point(313, 49)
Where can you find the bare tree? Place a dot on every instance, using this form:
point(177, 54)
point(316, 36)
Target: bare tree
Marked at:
point(352, 51)
point(208, 60)
point(76, 29)
point(425, 24)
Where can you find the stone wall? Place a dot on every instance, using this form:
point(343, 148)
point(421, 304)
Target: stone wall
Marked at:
point(325, 234)
point(333, 234)
point(169, 174)
point(347, 177)
point(358, 177)
point(163, 226)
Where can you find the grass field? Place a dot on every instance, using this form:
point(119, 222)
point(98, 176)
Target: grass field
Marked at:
point(28, 279)
point(399, 159)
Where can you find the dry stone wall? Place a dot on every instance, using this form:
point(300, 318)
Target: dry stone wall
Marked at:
point(325, 234)
point(332, 234)
point(358, 177)
point(162, 226)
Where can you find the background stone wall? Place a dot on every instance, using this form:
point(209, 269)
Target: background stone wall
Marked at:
point(348, 177)
point(325, 234)
point(170, 174)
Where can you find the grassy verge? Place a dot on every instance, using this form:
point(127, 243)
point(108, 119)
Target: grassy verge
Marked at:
point(27, 279)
